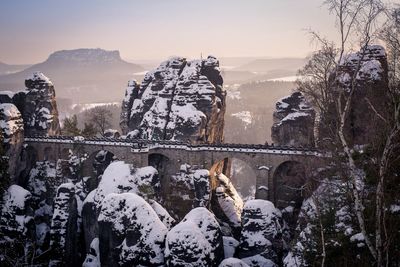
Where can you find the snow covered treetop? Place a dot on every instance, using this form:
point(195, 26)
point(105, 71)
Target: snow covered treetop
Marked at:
point(37, 80)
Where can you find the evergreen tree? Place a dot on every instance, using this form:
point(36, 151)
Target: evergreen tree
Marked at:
point(71, 126)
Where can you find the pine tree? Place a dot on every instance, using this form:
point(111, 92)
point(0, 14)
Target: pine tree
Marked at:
point(71, 126)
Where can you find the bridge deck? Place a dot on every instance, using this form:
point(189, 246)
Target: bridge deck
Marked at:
point(140, 145)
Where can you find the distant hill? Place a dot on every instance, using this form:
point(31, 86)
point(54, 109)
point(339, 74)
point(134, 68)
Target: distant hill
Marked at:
point(81, 74)
point(272, 64)
point(8, 69)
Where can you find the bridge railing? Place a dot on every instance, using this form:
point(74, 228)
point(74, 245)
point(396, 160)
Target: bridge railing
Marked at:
point(144, 143)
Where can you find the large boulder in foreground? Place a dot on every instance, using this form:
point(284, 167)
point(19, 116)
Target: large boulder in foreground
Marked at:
point(195, 241)
point(179, 100)
point(130, 232)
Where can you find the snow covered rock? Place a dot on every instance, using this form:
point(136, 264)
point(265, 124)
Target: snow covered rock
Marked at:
point(12, 129)
point(188, 189)
point(196, 240)
point(258, 261)
point(208, 224)
point(43, 184)
point(179, 100)
point(120, 177)
point(233, 262)
point(293, 122)
point(162, 213)
point(131, 93)
point(230, 245)
point(64, 226)
point(187, 246)
point(130, 232)
point(39, 109)
point(261, 234)
point(227, 204)
point(16, 219)
point(93, 257)
point(368, 68)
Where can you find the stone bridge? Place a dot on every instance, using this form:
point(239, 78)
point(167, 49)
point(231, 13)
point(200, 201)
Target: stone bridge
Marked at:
point(275, 168)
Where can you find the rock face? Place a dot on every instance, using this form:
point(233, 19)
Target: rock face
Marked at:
point(180, 100)
point(119, 178)
point(15, 213)
point(293, 122)
point(195, 241)
point(40, 112)
point(190, 188)
point(12, 128)
point(371, 87)
point(261, 235)
point(63, 234)
point(130, 232)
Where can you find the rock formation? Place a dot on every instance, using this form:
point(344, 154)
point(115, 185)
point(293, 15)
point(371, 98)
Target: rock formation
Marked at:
point(293, 122)
point(195, 241)
point(179, 100)
point(40, 112)
point(260, 218)
point(12, 129)
point(130, 232)
point(369, 68)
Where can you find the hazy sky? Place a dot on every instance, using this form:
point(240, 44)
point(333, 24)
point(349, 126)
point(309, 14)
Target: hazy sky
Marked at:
point(157, 29)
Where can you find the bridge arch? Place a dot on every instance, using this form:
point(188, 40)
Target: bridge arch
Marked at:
point(48, 154)
point(289, 179)
point(241, 173)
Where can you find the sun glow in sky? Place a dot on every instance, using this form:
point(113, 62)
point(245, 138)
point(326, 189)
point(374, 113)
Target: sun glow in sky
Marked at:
point(157, 29)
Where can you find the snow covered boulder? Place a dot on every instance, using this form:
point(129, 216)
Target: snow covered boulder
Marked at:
point(293, 122)
point(12, 129)
point(40, 112)
point(120, 177)
point(93, 257)
point(208, 224)
point(233, 262)
point(261, 230)
point(179, 100)
point(206, 236)
point(130, 232)
point(187, 246)
point(16, 219)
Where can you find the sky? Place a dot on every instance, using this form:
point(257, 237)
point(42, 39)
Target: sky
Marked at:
point(157, 29)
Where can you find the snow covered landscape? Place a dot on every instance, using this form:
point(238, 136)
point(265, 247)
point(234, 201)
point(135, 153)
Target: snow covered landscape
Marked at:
point(215, 134)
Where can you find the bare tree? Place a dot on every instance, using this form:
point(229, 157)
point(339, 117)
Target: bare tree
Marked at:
point(357, 21)
point(100, 117)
